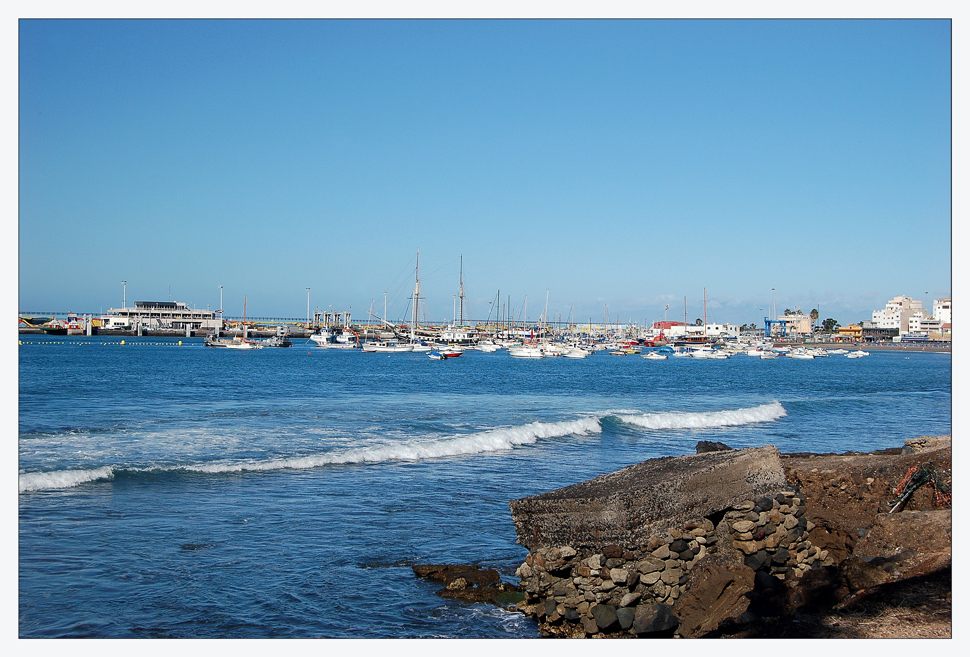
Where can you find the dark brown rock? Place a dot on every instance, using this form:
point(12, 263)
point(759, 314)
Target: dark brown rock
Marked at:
point(716, 592)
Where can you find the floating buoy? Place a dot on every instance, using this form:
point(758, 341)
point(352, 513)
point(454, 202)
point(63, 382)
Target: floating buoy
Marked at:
point(180, 343)
point(122, 342)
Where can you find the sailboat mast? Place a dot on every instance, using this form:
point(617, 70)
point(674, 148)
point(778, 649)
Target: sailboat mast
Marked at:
point(705, 312)
point(417, 291)
point(461, 292)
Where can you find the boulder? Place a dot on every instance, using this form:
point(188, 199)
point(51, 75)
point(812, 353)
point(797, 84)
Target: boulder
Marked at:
point(716, 592)
point(629, 506)
point(605, 617)
point(655, 619)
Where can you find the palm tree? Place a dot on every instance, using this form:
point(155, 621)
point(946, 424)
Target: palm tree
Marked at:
point(814, 316)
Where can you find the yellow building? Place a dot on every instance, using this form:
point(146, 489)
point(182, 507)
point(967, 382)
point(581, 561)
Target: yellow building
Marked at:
point(852, 332)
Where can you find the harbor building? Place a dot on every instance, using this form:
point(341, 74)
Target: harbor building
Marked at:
point(905, 319)
point(173, 315)
point(897, 313)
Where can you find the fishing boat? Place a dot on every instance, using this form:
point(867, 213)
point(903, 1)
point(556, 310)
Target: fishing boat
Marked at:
point(281, 339)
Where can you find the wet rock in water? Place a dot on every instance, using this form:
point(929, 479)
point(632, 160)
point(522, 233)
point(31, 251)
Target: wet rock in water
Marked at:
point(708, 446)
point(471, 583)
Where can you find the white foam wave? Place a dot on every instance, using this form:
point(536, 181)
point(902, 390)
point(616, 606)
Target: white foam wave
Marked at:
point(707, 420)
point(413, 450)
point(30, 481)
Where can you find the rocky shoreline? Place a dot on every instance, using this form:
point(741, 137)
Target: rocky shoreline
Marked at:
point(730, 543)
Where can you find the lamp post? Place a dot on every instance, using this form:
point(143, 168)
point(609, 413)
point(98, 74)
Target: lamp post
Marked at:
point(124, 294)
point(308, 305)
point(220, 301)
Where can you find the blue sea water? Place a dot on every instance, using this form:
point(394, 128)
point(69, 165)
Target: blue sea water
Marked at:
point(172, 490)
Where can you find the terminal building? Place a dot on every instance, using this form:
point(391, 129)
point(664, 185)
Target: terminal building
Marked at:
point(173, 315)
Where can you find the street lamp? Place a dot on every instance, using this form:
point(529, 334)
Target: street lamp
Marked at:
point(220, 299)
point(308, 305)
point(124, 294)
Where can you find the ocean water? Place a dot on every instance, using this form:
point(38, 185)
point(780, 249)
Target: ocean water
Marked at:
point(178, 491)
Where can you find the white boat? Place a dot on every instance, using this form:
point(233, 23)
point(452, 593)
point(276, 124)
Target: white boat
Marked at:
point(244, 345)
point(768, 355)
point(388, 347)
point(857, 354)
point(575, 352)
point(488, 348)
point(653, 355)
point(525, 351)
point(801, 354)
point(346, 339)
point(838, 352)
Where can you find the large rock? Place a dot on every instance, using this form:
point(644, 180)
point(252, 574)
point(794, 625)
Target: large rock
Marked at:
point(654, 619)
point(908, 543)
point(717, 591)
point(629, 506)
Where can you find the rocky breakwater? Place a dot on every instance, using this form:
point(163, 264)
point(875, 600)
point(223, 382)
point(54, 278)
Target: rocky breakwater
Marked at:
point(698, 545)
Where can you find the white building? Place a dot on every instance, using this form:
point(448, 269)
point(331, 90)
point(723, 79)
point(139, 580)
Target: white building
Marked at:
point(723, 330)
point(897, 314)
point(941, 311)
point(160, 314)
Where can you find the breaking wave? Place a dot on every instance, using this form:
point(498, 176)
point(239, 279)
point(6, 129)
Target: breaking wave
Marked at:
point(61, 478)
point(477, 443)
point(707, 420)
point(412, 450)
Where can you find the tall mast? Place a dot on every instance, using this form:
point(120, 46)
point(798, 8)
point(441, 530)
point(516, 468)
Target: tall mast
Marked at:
point(545, 311)
point(417, 291)
point(705, 312)
point(461, 292)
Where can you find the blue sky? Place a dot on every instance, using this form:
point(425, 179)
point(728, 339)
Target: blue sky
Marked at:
point(617, 164)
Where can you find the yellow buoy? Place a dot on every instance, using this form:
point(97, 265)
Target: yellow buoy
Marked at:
point(122, 342)
point(180, 343)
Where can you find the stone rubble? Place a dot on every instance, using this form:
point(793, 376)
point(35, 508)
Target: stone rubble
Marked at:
point(633, 590)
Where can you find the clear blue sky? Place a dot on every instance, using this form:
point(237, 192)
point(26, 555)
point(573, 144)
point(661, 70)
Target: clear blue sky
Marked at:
point(627, 163)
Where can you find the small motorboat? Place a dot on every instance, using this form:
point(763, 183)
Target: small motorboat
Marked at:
point(653, 355)
point(436, 355)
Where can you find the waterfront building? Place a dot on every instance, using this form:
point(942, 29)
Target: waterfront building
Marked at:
point(797, 324)
point(897, 313)
point(173, 315)
point(941, 310)
point(852, 332)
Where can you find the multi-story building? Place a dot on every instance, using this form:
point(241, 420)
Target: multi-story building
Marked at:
point(897, 313)
point(941, 310)
point(160, 314)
